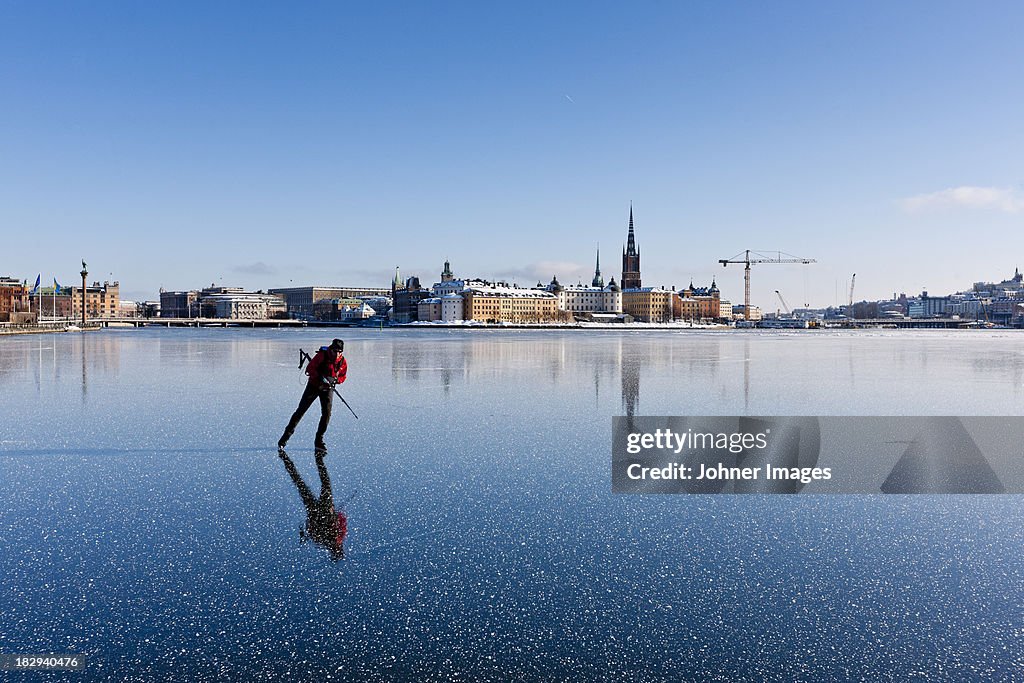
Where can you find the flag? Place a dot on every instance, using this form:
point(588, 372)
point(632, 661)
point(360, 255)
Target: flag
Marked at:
point(36, 288)
point(56, 286)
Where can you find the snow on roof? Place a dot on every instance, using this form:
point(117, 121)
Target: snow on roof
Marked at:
point(510, 292)
point(586, 288)
point(648, 289)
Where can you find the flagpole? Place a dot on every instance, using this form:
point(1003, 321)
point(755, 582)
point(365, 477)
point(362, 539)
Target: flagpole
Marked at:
point(39, 300)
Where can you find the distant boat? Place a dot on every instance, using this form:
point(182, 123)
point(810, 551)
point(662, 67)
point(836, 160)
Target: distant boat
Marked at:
point(72, 328)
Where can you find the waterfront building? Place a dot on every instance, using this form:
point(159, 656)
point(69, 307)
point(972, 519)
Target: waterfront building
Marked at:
point(1007, 311)
point(738, 313)
point(581, 298)
point(406, 299)
point(299, 300)
point(344, 310)
point(241, 305)
point(926, 306)
point(1011, 288)
point(456, 286)
point(449, 284)
point(502, 304)
point(967, 307)
point(687, 308)
point(452, 307)
point(53, 305)
point(101, 300)
point(708, 299)
point(649, 304)
point(177, 304)
point(13, 298)
point(332, 310)
point(429, 310)
point(630, 259)
point(380, 304)
point(218, 301)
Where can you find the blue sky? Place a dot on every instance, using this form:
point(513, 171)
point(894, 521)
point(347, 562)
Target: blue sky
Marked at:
point(269, 144)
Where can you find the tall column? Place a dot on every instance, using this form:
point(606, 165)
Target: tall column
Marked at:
point(84, 274)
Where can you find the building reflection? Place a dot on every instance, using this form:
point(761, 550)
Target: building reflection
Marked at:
point(630, 380)
point(326, 525)
point(48, 358)
point(608, 364)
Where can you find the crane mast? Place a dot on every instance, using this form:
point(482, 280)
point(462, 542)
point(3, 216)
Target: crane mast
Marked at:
point(758, 257)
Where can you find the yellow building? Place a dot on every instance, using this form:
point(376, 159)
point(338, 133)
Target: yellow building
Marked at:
point(709, 301)
point(649, 304)
point(499, 304)
point(101, 301)
point(687, 308)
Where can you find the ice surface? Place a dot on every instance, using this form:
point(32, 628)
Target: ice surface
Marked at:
point(148, 522)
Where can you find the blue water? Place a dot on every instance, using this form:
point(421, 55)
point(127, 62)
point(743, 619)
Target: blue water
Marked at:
point(149, 523)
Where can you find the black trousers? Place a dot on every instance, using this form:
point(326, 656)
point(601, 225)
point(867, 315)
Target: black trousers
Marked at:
point(312, 393)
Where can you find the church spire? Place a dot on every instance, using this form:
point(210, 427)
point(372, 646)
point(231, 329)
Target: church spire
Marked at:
point(598, 281)
point(630, 258)
point(631, 238)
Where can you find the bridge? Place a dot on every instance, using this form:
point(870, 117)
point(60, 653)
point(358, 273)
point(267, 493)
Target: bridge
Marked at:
point(213, 322)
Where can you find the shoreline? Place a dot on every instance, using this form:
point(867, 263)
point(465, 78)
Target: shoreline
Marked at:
point(51, 328)
point(57, 328)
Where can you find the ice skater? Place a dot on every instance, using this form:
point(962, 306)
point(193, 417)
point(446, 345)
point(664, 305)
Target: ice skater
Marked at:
point(325, 370)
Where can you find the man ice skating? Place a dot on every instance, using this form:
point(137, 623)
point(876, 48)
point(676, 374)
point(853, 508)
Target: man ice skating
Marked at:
point(326, 369)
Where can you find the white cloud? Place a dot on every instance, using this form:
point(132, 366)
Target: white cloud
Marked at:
point(1003, 199)
point(258, 268)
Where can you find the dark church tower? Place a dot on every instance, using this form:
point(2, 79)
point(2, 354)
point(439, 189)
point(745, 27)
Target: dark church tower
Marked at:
point(630, 259)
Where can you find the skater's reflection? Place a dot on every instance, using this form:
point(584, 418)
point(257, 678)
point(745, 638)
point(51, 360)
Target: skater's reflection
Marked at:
point(325, 525)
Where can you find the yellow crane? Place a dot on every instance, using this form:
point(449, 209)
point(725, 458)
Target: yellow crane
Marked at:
point(749, 258)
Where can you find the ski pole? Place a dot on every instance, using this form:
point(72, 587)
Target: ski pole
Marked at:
point(303, 357)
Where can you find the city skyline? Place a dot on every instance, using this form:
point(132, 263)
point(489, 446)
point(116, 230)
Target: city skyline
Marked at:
point(178, 146)
point(46, 286)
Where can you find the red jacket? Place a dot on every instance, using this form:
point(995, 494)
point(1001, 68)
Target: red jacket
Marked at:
point(321, 367)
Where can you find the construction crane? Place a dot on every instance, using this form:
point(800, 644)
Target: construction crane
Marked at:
point(853, 281)
point(785, 306)
point(758, 257)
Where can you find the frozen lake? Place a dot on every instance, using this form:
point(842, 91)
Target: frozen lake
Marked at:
point(149, 523)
